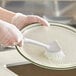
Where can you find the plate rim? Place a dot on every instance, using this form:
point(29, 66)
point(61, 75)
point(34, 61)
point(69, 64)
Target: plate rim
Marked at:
point(43, 66)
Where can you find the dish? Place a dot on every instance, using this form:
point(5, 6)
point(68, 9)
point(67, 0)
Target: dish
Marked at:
point(64, 34)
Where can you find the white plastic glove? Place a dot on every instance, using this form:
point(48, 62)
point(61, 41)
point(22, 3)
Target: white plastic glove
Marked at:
point(20, 20)
point(9, 34)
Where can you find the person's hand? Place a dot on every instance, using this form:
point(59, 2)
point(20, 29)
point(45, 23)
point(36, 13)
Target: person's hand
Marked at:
point(21, 20)
point(9, 34)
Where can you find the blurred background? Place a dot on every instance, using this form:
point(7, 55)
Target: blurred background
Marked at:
point(52, 10)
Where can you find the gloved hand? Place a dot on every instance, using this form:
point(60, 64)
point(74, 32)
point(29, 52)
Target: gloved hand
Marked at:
point(9, 34)
point(21, 20)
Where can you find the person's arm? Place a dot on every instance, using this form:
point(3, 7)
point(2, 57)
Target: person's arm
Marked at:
point(20, 20)
point(9, 34)
point(6, 15)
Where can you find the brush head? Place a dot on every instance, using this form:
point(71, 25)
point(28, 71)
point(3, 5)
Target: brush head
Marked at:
point(56, 56)
point(54, 51)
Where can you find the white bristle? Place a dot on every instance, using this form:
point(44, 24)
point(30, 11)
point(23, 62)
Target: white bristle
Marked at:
point(55, 55)
point(54, 51)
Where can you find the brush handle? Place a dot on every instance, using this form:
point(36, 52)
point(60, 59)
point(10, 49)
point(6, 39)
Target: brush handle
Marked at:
point(35, 42)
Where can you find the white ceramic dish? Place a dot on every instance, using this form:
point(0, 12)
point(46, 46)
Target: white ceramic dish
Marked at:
point(64, 34)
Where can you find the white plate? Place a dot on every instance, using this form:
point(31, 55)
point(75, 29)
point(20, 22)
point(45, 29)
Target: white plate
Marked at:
point(64, 34)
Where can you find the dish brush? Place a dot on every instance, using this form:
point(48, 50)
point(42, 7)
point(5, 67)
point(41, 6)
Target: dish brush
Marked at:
point(53, 50)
